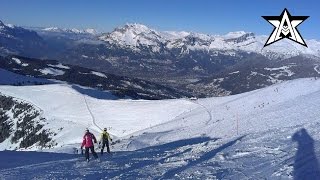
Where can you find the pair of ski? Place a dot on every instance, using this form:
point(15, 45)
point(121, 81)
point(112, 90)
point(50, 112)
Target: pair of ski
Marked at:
point(97, 158)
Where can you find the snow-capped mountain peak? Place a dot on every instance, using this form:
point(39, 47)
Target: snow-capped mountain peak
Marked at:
point(138, 28)
point(235, 34)
point(133, 35)
point(73, 30)
point(20, 35)
point(76, 30)
point(10, 25)
point(91, 31)
point(53, 29)
point(175, 34)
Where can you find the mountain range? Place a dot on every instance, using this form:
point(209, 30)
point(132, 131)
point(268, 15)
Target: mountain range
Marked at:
point(200, 64)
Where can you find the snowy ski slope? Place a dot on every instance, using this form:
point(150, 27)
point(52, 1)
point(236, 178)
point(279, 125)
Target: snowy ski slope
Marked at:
point(65, 107)
point(270, 133)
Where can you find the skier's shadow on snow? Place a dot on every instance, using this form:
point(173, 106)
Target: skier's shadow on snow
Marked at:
point(306, 164)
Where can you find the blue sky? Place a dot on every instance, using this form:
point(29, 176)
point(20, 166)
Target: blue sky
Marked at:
point(206, 16)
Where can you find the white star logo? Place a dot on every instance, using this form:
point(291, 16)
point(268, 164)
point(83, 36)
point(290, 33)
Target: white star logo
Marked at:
point(285, 27)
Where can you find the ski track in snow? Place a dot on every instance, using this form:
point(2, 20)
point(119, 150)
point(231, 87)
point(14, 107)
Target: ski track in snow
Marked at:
point(89, 110)
point(263, 134)
point(316, 69)
point(205, 108)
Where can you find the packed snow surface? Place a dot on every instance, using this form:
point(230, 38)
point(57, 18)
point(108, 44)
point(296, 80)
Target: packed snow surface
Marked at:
point(270, 133)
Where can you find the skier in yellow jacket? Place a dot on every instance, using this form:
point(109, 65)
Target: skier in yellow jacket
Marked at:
point(105, 137)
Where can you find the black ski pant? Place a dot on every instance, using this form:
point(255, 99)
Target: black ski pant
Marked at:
point(105, 143)
point(92, 151)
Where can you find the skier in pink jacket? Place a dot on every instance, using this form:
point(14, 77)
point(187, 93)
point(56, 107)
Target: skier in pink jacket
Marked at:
point(87, 142)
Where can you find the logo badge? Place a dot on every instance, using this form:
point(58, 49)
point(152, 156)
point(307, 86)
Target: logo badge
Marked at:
point(285, 26)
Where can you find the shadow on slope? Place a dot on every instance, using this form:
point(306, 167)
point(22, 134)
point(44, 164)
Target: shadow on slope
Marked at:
point(158, 156)
point(10, 78)
point(12, 159)
point(150, 156)
point(306, 164)
point(205, 157)
point(95, 93)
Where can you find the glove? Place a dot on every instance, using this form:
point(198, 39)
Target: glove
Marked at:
point(99, 142)
point(110, 139)
point(95, 141)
